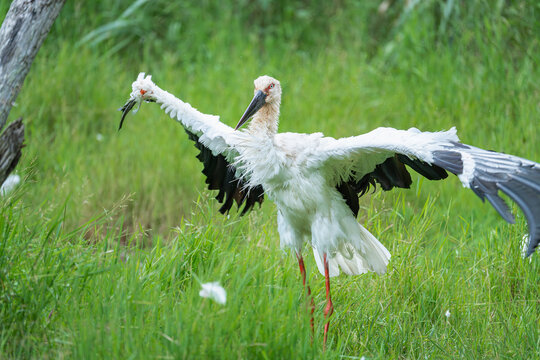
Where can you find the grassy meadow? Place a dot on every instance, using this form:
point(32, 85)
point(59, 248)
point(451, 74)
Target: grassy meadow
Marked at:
point(104, 245)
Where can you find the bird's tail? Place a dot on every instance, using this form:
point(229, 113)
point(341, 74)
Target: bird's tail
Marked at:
point(364, 253)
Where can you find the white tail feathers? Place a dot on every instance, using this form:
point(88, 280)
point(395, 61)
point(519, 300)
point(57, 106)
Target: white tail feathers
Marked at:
point(356, 257)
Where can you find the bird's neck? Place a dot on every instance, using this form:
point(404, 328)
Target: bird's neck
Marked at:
point(266, 120)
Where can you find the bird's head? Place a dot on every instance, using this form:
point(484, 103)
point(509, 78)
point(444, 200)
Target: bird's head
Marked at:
point(267, 93)
point(142, 90)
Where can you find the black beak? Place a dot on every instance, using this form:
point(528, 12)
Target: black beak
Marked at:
point(258, 101)
point(125, 110)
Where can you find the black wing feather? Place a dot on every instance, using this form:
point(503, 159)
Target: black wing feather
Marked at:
point(221, 176)
point(431, 172)
point(389, 174)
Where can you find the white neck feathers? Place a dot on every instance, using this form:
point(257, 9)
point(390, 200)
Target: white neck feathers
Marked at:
point(266, 120)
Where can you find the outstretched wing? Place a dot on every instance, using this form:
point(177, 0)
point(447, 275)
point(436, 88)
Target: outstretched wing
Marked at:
point(216, 142)
point(353, 164)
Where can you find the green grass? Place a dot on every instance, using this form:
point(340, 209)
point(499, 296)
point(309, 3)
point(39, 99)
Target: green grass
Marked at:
point(103, 246)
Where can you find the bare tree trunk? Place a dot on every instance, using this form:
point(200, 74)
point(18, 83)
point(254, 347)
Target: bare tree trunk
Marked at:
point(25, 27)
point(11, 143)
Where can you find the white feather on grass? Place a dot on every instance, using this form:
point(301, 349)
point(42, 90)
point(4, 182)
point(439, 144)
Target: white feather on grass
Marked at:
point(10, 184)
point(214, 291)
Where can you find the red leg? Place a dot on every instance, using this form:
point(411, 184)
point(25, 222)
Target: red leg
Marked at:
point(304, 281)
point(329, 309)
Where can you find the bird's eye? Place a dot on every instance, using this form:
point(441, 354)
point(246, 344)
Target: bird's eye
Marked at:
point(271, 86)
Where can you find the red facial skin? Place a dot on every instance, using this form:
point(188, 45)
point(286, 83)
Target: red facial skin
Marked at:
point(267, 90)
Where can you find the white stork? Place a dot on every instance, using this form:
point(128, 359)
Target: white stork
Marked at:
point(315, 181)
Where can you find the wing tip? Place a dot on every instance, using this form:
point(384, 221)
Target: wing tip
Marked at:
point(534, 240)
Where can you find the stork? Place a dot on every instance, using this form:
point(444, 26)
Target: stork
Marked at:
point(315, 181)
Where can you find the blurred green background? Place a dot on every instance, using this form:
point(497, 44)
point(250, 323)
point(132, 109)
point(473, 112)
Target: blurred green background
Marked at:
point(112, 201)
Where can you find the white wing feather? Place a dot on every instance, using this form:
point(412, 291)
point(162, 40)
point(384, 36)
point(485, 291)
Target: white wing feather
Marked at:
point(212, 133)
point(361, 154)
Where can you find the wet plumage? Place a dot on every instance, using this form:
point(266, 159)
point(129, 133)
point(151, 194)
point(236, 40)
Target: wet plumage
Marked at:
point(315, 181)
